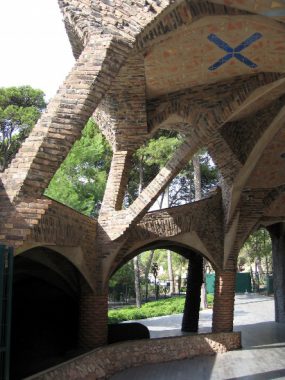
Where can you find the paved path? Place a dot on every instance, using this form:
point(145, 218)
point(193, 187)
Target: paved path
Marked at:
point(262, 356)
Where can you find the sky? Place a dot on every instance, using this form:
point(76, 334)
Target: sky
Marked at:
point(34, 46)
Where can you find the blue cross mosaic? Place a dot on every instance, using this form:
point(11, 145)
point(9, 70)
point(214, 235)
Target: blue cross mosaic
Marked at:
point(233, 52)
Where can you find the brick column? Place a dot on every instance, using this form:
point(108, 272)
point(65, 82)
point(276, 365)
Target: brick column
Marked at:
point(117, 182)
point(93, 322)
point(223, 310)
point(277, 233)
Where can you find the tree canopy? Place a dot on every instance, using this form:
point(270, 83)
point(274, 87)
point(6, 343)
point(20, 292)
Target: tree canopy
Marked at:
point(257, 251)
point(153, 155)
point(20, 108)
point(81, 179)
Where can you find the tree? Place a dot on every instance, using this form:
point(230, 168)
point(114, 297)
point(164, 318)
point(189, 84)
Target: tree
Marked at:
point(257, 252)
point(81, 179)
point(146, 262)
point(198, 196)
point(20, 108)
point(197, 177)
point(137, 281)
point(154, 270)
point(121, 284)
point(148, 160)
point(182, 189)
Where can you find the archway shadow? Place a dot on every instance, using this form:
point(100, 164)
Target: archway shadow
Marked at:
point(45, 312)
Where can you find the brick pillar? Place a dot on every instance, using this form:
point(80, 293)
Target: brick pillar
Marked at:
point(117, 182)
point(277, 233)
point(223, 310)
point(93, 322)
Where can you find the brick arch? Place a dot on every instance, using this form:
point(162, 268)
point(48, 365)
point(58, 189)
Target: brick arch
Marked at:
point(185, 245)
point(245, 91)
point(254, 198)
point(254, 156)
point(232, 144)
point(59, 268)
point(73, 255)
point(272, 197)
point(87, 16)
point(45, 222)
point(201, 221)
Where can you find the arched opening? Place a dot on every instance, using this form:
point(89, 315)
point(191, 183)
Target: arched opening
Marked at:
point(45, 311)
point(155, 285)
point(195, 181)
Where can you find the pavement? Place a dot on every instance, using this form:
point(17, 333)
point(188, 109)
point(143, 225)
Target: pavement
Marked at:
point(261, 358)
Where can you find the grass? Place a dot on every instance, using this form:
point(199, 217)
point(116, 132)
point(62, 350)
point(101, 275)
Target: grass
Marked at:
point(168, 306)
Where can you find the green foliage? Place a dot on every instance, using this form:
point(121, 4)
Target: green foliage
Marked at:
point(121, 284)
point(81, 179)
point(148, 160)
point(168, 306)
point(151, 309)
point(257, 250)
point(181, 189)
point(179, 263)
point(151, 157)
point(158, 150)
point(20, 108)
point(258, 245)
point(24, 96)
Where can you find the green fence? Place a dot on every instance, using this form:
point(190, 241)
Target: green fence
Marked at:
point(243, 283)
point(210, 283)
point(269, 284)
point(6, 281)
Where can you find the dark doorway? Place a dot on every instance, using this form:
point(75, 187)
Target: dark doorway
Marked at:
point(44, 314)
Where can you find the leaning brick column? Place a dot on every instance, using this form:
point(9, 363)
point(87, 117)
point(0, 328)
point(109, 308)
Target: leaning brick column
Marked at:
point(223, 310)
point(117, 182)
point(66, 115)
point(93, 322)
point(190, 320)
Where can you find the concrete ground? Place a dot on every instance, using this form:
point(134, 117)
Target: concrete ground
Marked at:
point(261, 358)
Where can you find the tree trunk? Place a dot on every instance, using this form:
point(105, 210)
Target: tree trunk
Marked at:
point(198, 196)
point(147, 270)
point(204, 301)
point(252, 278)
point(170, 271)
point(169, 256)
point(140, 188)
point(136, 259)
point(137, 281)
point(267, 265)
point(197, 177)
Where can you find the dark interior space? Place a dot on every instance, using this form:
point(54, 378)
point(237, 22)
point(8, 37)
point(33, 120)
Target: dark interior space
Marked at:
point(45, 313)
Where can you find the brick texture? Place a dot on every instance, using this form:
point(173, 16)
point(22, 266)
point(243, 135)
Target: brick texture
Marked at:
point(105, 361)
